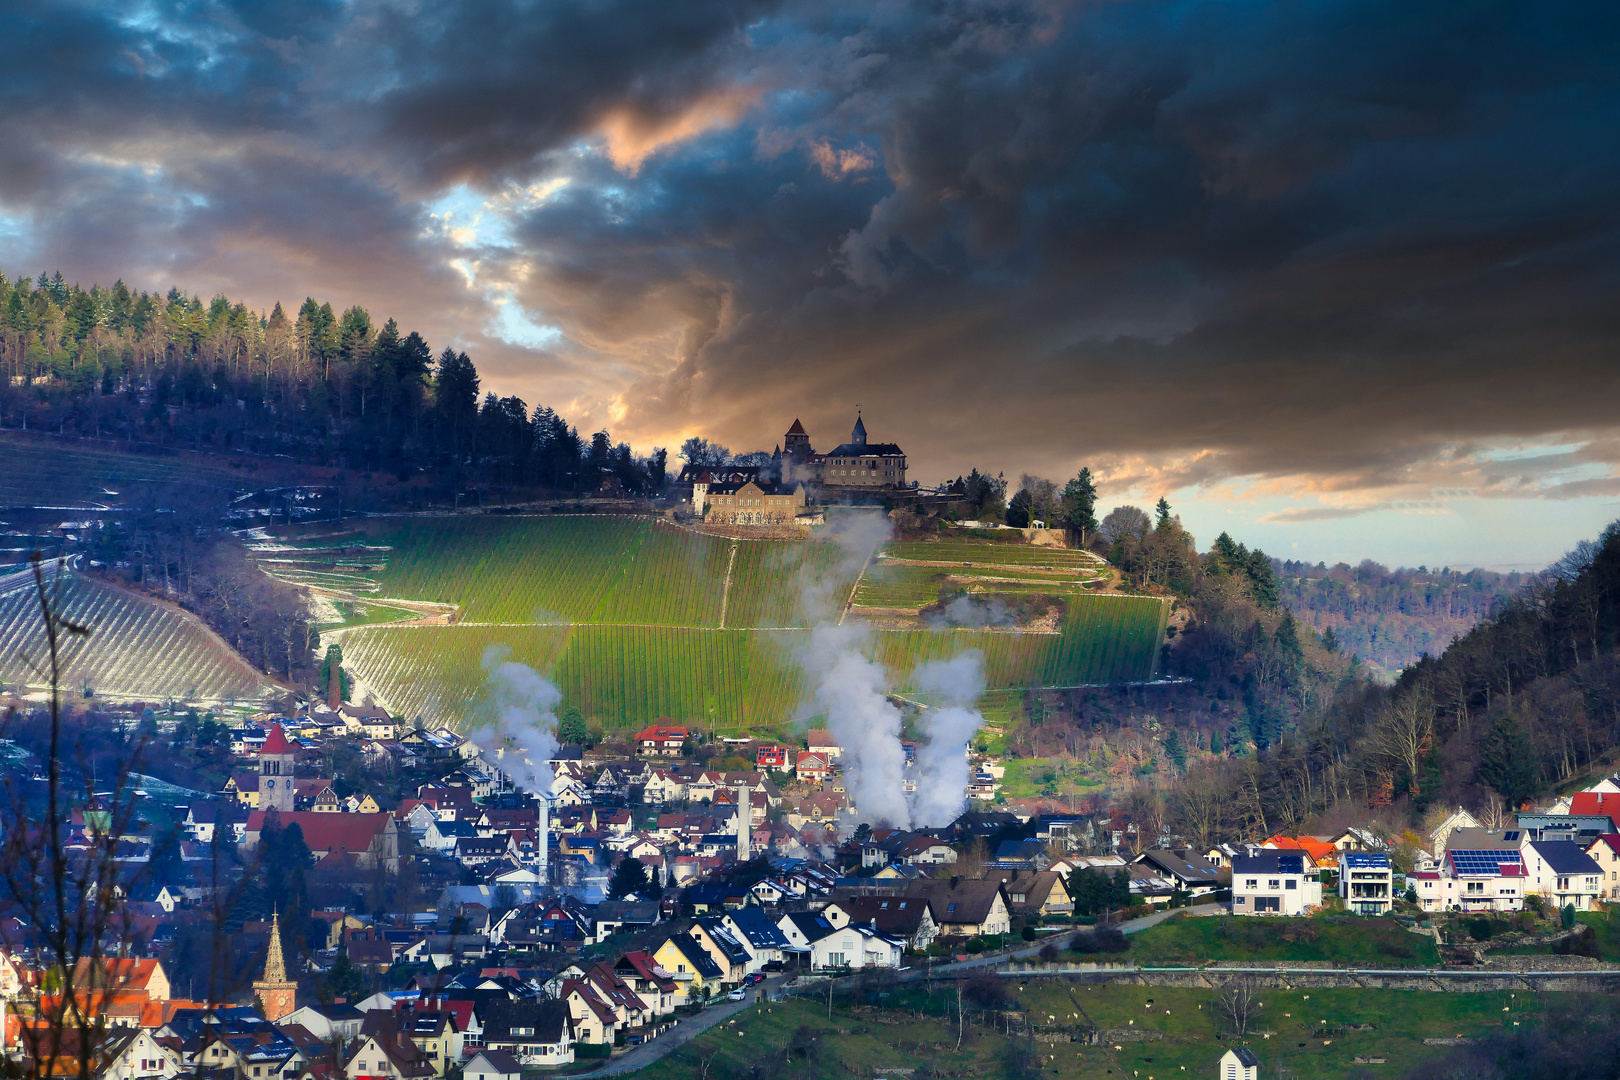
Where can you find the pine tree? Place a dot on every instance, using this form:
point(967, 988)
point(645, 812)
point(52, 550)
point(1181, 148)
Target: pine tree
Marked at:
point(1080, 504)
point(1176, 750)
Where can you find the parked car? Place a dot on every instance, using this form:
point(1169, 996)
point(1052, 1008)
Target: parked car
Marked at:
point(756, 977)
point(739, 994)
point(774, 965)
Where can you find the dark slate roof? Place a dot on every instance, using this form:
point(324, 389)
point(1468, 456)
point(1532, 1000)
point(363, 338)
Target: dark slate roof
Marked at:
point(757, 927)
point(1194, 870)
point(501, 1061)
point(1246, 1057)
point(696, 955)
point(1269, 862)
point(813, 925)
point(871, 449)
point(1566, 857)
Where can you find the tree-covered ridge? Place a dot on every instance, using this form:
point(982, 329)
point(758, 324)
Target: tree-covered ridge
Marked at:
point(314, 385)
point(1390, 618)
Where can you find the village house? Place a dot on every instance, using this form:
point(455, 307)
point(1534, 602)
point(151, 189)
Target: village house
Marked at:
point(1563, 873)
point(1275, 882)
point(964, 907)
point(1605, 851)
point(661, 740)
point(1366, 882)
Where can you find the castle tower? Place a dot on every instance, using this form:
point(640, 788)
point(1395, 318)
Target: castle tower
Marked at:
point(276, 993)
point(276, 772)
point(796, 443)
point(858, 436)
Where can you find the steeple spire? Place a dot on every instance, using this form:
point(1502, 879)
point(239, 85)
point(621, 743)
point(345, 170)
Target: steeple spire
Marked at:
point(275, 965)
point(277, 994)
point(858, 436)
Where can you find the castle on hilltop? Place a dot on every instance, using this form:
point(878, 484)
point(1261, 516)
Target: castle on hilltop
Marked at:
point(784, 492)
point(855, 464)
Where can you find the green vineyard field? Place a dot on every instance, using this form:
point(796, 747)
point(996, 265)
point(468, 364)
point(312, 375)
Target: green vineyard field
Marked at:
point(636, 619)
point(625, 676)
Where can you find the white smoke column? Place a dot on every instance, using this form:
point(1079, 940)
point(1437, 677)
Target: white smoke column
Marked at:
point(942, 767)
point(521, 737)
point(851, 690)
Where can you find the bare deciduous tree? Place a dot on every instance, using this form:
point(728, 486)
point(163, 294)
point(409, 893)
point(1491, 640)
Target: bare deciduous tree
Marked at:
point(1238, 1005)
point(1404, 732)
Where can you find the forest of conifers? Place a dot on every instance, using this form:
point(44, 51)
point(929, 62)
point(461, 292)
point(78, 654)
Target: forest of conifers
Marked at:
point(1523, 702)
point(314, 386)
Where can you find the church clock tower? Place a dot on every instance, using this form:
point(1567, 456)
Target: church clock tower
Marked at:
point(276, 772)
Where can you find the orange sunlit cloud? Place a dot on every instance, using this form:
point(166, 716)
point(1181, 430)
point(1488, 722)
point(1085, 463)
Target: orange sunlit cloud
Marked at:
point(631, 137)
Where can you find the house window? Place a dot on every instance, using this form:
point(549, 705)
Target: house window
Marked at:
point(1290, 884)
point(1251, 883)
point(1273, 884)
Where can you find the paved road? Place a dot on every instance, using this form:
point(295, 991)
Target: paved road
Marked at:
point(684, 1032)
point(689, 1029)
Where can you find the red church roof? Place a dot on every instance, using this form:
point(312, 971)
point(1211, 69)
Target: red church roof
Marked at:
point(276, 742)
point(797, 428)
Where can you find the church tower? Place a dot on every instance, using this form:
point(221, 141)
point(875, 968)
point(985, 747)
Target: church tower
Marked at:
point(858, 436)
point(276, 772)
point(276, 993)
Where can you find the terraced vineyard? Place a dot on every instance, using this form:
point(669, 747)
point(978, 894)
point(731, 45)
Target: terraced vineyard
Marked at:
point(907, 577)
point(43, 470)
point(137, 648)
point(636, 619)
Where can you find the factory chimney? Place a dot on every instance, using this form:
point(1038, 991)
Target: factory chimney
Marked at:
point(543, 841)
point(744, 824)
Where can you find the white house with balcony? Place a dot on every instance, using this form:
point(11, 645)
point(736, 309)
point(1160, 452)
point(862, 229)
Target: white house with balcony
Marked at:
point(1366, 882)
point(1275, 882)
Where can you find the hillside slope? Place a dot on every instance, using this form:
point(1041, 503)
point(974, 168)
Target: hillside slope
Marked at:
point(637, 619)
point(138, 648)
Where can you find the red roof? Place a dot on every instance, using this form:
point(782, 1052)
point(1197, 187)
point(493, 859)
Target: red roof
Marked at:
point(1604, 803)
point(1611, 839)
point(660, 732)
point(797, 428)
point(327, 832)
point(276, 742)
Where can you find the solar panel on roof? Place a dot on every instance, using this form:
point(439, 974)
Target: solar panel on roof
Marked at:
point(1511, 836)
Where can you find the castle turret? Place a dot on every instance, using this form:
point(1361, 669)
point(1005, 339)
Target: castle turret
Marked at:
point(796, 443)
point(858, 436)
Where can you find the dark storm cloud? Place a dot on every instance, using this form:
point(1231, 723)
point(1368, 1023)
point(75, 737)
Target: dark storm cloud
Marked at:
point(1354, 243)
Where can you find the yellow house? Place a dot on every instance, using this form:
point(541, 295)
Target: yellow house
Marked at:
point(244, 788)
point(691, 966)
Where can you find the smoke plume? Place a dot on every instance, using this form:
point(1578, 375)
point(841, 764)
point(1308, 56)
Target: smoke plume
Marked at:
point(521, 737)
point(942, 767)
point(850, 689)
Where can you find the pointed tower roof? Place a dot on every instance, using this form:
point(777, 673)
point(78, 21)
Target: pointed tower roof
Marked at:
point(276, 742)
point(275, 965)
point(858, 436)
point(797, 428)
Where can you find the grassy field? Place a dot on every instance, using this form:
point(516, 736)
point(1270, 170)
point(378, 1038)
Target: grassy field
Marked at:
point(636, 619)
point(1344, 940)
point(1299, 1031)
point(137, 648)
